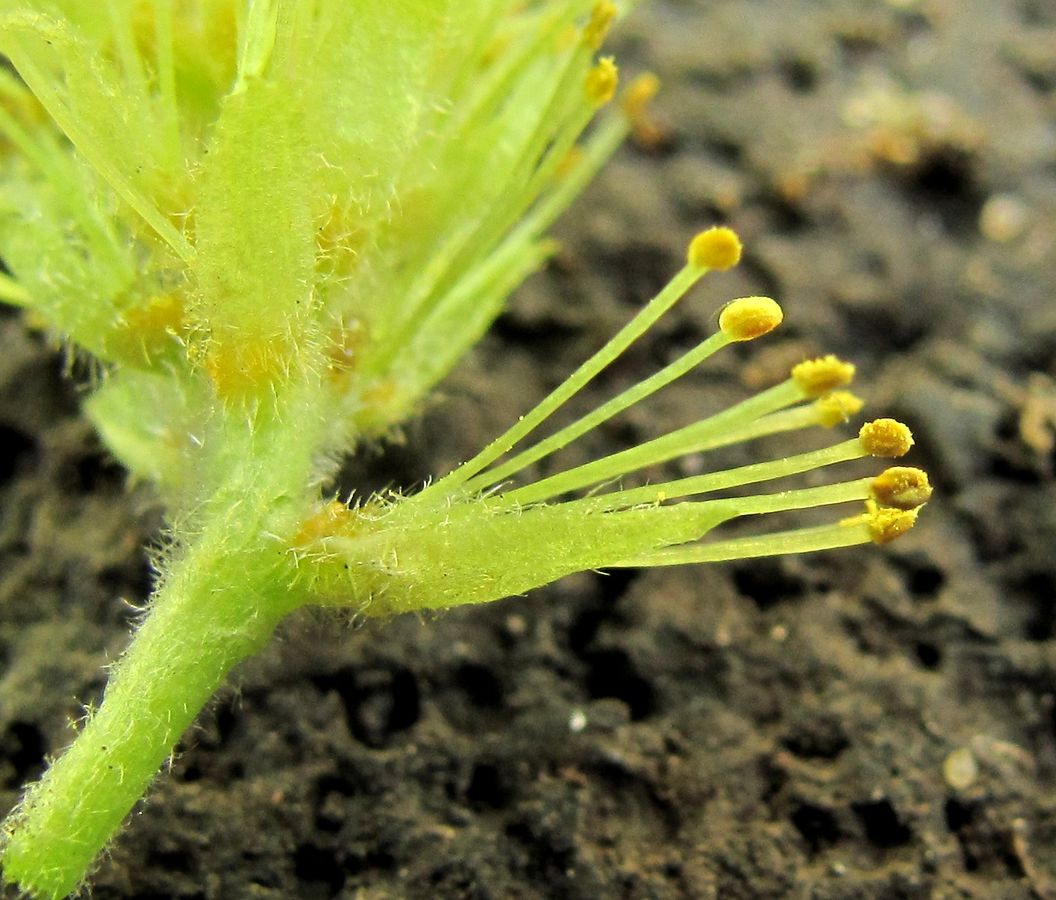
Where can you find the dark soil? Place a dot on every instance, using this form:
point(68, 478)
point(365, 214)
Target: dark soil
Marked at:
point(775, 729)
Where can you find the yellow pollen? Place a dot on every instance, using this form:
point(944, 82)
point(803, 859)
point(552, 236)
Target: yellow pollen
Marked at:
point(885, 438)
point(837, 407)
point(819, 376)
point(602, 81)
point(885, 524)
point(717, 248)
point(749, 318)
point(901, 487)
point(601, 19)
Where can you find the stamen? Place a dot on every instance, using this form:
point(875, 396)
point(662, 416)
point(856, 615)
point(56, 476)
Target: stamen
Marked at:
point(639, 93)
point(715, 431)
point(901, 487)
point(885, 438)
point(837, 407)
point(639, 325)
point(778, 543)
point(885, 524)
point(601, 81)
point(749, 318)
point(601, 19)
point(755, 473)
point(824, 374)
point(717, 248)
point(744, 319)
point(635, 102)
point(603, 413)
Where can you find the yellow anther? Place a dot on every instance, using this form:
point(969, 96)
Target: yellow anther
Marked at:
point(601, 19)
point(749, 318)
point(826, 373)
point(901, 487)
point(717, 248)
point(886, 523)
point(885, 438)
point(635, 103)
point(602, 81)
point(837, 407)
point(638, 94)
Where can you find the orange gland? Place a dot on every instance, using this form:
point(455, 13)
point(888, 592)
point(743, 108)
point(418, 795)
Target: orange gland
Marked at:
point(330, 519)
point(717, 248)
point(837, 407)
point(602, 80)
point(246, 367)
point(601, 19)
point(816, 377)
point(749, 317)
point(901, 487)
point(886, 523)
point(144, 332)
point(885, 438)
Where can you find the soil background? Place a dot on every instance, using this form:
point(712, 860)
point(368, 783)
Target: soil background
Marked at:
point(871, 723)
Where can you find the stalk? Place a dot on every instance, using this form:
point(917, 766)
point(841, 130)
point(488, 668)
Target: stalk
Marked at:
point(215, 609)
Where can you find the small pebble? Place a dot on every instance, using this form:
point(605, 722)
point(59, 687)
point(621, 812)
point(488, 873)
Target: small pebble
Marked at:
point(1004, 217)
point(577, 721)
point(960, 769)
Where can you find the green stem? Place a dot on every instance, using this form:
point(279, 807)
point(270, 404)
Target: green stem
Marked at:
point(216, 609)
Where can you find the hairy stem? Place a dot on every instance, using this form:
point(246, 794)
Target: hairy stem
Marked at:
point(215, 609)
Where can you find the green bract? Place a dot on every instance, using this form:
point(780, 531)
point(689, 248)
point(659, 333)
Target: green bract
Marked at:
point(276, 225)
